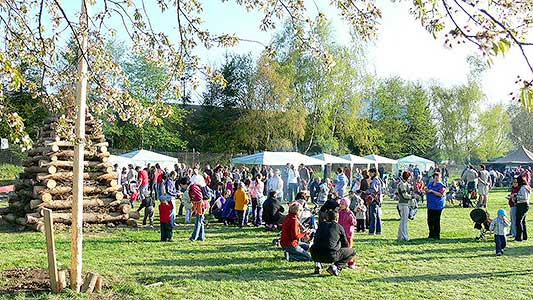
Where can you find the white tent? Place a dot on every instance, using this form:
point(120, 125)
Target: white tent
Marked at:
point(423, 163)
point(381, 160)
point(277, 159)
point(143, 157)
point(331, 159)
point(358, 160)
point(120, 161)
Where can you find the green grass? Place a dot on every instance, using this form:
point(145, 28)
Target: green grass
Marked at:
point(242, 264)
point(8, 173)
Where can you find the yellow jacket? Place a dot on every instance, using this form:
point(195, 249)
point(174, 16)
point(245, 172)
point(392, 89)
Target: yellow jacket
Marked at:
point(241, 200)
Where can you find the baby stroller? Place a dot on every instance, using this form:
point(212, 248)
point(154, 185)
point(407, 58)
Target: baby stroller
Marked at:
point(482, 221)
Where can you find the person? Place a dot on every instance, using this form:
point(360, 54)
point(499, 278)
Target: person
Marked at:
point(148, 205)
point(124, 182)
point(330, 244)
point(186, 199)
point(483, 187)
point(405, 195)
point(323, 191)
point(360, 215)
point(436, 200)
point(198, 210)
point(314, 190)
point(348, 222)
point(142, 175)
point(256, 193)
point(470, 177)
point(218, 205)
point(275, 183)
point(284, 180)
point(416, 172)
point(305, 176)
point(522, 206)
point(341, 182)
point(420, 189)
point(290, 240)
point(515, 188)
point(375, 191)
point(292, 179)
point(273, 211)
point(170, 190)
point(241, 204)
point(165, 220)
point(327, 170)
point(499, 227)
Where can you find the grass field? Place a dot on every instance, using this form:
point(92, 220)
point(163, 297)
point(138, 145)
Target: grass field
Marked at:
point(242, 264)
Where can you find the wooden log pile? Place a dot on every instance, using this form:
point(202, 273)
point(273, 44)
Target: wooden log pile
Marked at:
point(46, 181)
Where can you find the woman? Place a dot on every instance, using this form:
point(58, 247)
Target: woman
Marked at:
point(436, 199)
point(515, 188)
point(273, 211)
point(405, 194)
point(295, 250)
point(292, 179)
point(256, 188)
point(375, 191)
point(331, 245)
point(522, 206)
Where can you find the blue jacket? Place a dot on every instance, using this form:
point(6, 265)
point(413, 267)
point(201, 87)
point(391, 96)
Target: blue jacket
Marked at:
point(435, 202)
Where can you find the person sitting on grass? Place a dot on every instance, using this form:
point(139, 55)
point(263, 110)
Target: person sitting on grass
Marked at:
point(499, 227)
point(165, 209)
point(273, 211)
point(330, 244)
point(291, 236)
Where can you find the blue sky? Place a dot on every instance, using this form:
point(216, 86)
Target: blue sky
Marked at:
point(403, 47)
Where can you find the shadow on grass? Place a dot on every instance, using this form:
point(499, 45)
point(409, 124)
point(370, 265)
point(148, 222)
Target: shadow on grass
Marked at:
point(449, 277)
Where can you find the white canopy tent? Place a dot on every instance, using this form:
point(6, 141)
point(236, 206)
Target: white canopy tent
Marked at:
point(143, 157)
point(423, 163)
point(331, 159)
point(120, 161)
point(277, 159)
point(381, 160)
point(358, 160)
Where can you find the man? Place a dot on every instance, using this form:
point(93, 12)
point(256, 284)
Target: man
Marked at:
point(484, 184)
point(147, 202)
point(284, 178)
point(416, 172)
point(305, 177)
point(469, 177)
point(158, 180)
point(341, 182)
point(275, 183)
point(375, 192)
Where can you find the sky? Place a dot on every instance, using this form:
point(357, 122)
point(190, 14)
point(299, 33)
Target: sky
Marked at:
point(403, 47)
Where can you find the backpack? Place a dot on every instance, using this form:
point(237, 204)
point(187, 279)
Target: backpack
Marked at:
point(206, 192)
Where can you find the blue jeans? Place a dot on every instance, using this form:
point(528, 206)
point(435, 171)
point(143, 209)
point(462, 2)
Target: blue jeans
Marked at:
point(375, 219)
point(501, 243)
point(159, 189)
point(299, 253)
point(198, 233)
point(256, 212)
point(513, 221)
point(293, 190)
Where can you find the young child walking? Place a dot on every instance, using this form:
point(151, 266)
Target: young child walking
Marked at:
point(499, 226)
point(165, 209)
point(348, 221)
point(360, 215)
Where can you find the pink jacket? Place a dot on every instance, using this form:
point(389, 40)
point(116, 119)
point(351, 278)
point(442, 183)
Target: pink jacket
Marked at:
point(348, 221)
point(256, 189)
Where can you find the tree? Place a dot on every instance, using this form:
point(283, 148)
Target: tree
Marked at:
point(455, 110)
point(521, 126)
point(494, 129)
point(421, 131)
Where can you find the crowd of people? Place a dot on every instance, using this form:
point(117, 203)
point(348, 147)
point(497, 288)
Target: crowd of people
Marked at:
point(348, 202)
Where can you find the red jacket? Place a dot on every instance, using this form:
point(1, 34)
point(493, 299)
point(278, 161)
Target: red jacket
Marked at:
point(195, 193)
point(290, 231)
point(165, 208)
point(143, 178)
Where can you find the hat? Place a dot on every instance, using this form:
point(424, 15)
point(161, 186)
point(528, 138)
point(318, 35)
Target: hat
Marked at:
point(501, 212)
point(346, 201)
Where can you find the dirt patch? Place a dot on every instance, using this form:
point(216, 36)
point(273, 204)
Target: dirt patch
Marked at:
point(25, 280)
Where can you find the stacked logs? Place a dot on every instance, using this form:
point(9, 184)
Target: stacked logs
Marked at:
point(47, 181)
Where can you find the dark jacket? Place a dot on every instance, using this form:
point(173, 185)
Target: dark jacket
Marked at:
point(329, 238)
point(272, 211)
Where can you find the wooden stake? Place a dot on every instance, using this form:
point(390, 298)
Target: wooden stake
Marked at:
point(77, 184)
point(51, 249)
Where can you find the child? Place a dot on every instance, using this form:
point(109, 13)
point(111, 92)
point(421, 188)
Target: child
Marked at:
point(360, 215)
point(165, 209)
point(187, 204)
point(348, 221)
point(499, 227)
